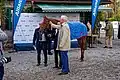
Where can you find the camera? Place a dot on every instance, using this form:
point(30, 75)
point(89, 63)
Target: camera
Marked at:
point(5, 60)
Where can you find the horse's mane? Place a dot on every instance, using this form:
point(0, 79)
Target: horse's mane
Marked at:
point(45, 24)
point(55, 21)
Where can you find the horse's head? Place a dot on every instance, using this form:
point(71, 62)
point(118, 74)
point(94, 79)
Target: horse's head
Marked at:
point(45, 24)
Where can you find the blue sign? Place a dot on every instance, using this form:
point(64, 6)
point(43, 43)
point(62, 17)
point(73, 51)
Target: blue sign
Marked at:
point(95, 6)
point(18, 6)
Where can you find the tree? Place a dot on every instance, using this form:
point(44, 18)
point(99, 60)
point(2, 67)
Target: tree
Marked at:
point(116, 8)
point(2, 13)
point(101, 16)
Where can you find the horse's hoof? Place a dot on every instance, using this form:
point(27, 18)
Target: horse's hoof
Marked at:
point(82, 60)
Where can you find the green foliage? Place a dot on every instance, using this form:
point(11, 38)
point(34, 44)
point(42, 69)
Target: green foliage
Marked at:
point(28, 10)
point(115, 17)
point(116, 11)
point(2, 12)
point(101, 16)
point(118, 14)
point(112, 19)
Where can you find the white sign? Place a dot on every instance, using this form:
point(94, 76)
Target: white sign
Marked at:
point(28, 22)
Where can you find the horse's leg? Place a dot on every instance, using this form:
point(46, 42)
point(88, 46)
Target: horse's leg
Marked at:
point(82, 45)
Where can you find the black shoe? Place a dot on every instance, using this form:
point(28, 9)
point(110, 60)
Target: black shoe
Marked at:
point(59, 67)
point(63, 73)
point(55, 67)
point(81, 60)
point(38, 65)
point(105, 47)
point(110, 47)
point(45, 65)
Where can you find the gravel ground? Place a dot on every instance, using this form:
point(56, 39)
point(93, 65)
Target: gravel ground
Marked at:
point(99, 64)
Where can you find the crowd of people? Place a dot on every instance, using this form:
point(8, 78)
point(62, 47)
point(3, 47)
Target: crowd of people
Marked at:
point(108, 33)
point(61, 44)
point(61, 31)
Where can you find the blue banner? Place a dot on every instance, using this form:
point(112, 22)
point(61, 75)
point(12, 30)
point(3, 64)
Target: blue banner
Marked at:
point(18, 6)
point(95, 6)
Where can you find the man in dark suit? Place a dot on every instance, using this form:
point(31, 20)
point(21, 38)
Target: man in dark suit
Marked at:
point(39, 41)
point(52, 35)
point(57, 55)
point(49, 37)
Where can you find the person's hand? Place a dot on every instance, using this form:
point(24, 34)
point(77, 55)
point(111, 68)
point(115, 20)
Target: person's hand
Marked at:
point(58, 23)
point(50, 22)
point(49, 35)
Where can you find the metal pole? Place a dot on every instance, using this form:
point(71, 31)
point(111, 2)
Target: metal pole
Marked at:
point(113, 33)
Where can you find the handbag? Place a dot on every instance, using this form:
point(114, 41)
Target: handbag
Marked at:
point(3, 35)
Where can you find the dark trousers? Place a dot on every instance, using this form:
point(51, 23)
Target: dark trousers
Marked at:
point(57, 55)
point(1, 72)
point(119, 32)
point(49, 46)
point(57, 58)
point(64, 59)
point(89, 41)
point(42, 46)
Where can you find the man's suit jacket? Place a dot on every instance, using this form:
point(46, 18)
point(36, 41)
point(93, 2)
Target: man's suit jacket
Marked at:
point(38, 36)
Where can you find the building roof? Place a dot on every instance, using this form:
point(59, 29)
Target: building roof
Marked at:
point(68, 1)
point(69, 8)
